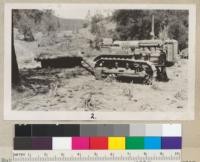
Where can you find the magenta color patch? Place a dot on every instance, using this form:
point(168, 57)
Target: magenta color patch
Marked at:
point(80, 143)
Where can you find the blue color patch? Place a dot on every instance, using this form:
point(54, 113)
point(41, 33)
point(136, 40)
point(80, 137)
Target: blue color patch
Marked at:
point(152, 143)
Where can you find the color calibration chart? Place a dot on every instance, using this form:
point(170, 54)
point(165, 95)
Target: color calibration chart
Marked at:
point(98, 142)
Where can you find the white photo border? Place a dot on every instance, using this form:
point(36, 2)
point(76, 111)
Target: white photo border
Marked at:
point(10, 114)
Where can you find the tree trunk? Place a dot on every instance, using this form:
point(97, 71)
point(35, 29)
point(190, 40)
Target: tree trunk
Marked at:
point(15, 69)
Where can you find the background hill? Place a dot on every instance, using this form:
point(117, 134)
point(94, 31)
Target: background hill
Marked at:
point(29, 22)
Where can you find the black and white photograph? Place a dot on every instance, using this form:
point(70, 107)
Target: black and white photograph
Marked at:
point(99, 62)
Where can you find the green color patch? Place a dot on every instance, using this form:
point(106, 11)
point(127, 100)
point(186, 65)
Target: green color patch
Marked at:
point(134, 142)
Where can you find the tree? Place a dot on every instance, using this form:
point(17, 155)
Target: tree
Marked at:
point(21, 21)
point(132, 24)
point(26, 21)
point(178, 31)
point(49, 23)
point(15, 70)
point(136, 25)
point(95, 24)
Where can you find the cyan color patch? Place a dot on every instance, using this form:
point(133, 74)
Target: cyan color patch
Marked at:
point(152, 143)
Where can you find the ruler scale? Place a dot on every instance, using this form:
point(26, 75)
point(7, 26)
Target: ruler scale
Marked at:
point(100, 155)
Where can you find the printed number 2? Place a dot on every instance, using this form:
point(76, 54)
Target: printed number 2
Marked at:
point(92, 116)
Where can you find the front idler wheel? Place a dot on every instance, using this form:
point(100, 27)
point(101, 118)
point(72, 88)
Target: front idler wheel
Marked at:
point(148, 80)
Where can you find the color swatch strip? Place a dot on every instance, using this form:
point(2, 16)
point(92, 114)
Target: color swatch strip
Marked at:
point(70, 130)
point(97, 136)
point(97, 143)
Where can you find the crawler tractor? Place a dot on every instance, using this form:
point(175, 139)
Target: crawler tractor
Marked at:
point(147, 61)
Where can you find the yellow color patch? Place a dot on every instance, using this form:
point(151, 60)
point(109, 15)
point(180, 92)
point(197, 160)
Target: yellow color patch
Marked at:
point(116, 143)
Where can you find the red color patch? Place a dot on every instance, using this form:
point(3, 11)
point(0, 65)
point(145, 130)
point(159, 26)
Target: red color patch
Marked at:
point(98, 143)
